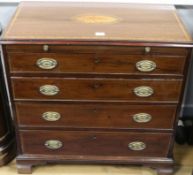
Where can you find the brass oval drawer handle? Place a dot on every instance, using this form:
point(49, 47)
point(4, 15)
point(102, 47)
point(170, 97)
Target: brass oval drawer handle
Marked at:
point(137, 146)
point(49, 90)
point(53, 144)
point(146, 66)
point(46, 63)
point(51, 116)
point(142, 117)
point(143, 91)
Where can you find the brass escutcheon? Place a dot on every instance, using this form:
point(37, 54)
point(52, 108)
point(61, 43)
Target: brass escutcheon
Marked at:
point(45, 48)
point(147, 49)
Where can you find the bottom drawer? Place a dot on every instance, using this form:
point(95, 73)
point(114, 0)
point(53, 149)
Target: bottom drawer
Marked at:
point(90, 143)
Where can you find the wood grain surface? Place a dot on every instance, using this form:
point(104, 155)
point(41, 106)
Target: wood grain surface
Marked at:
point(94, 115)
point(100, 48)
point(96, 46)
point(95, 64)
point(96, 21)
point(98, 89)
point(92, 143)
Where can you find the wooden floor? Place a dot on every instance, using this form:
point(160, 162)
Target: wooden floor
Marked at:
point(183, 156)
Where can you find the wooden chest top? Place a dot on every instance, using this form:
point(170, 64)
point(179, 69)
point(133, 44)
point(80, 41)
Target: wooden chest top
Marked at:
point(96, 21)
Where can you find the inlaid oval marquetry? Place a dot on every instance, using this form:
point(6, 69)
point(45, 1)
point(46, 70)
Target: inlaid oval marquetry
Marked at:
point(96, 19)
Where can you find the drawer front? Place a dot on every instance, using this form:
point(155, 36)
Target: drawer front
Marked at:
point(82, 143)
point(84, 89)
point(111, 116)
point(95, 64)
point(123, 50)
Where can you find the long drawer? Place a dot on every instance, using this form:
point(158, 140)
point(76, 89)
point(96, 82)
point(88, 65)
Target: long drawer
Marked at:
point(84, 115)
point(96, 64)
point(121, 144)
point(97, 89)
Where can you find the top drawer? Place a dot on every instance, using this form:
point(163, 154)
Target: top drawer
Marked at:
point(91, 64)
point(96, 60)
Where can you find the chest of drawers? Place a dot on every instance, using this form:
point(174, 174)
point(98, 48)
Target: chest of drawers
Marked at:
point(96, 83)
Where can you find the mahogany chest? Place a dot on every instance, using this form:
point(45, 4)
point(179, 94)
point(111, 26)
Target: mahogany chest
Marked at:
point(96, 82)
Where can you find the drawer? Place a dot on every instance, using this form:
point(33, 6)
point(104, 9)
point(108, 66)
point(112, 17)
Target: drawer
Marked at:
point(102, 49)
point(95, 64)
point(90, 143)
point(95, 115)
point(96, 89)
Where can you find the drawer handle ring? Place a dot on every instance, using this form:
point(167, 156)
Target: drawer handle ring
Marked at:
point(46, 63)
point(146, 66)
point(142, 118)
point(53, 144)
point(143, 91)
point(137, 146)
point(51, 116)
point(49, 90)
